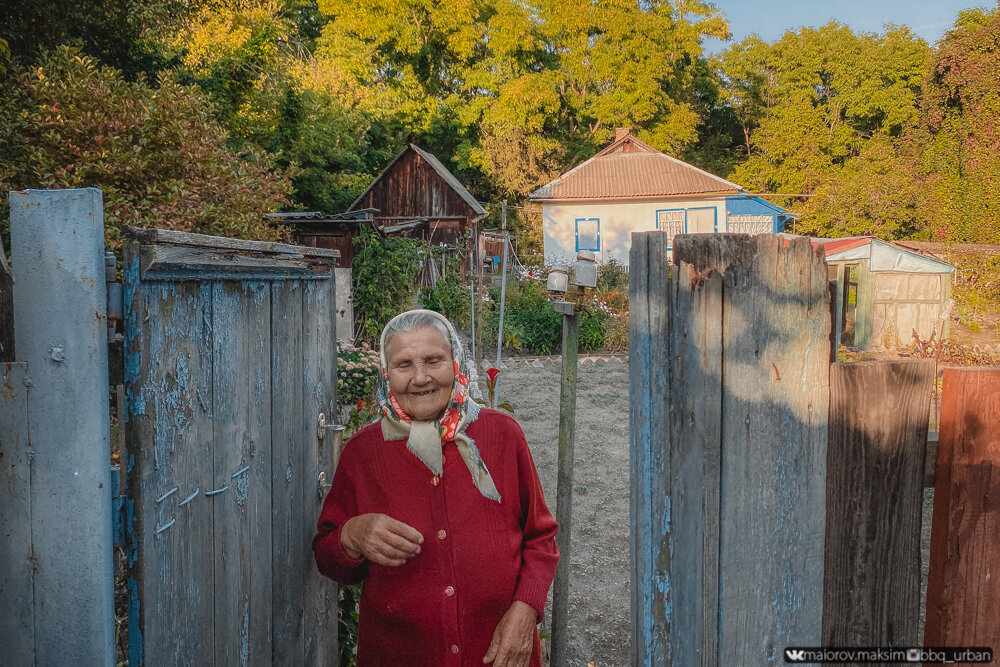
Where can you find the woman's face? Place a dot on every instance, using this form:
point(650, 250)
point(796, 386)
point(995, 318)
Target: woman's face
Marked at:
point(421, 371)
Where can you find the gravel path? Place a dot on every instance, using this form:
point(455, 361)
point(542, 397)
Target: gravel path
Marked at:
point(599, 623)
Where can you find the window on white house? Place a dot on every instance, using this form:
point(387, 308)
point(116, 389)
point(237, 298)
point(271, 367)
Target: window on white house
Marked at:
point(588, 234)
point(673, 222)
point(751, 224)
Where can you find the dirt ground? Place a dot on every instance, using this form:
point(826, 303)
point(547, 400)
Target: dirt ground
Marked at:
point(599, 623)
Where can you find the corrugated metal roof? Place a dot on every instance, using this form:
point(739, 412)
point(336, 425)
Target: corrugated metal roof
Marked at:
point(615, 173)
point(442, 171)
point(882, 256)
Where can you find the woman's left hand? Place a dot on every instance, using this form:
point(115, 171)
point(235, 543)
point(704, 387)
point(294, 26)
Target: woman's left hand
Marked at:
point(514, 637)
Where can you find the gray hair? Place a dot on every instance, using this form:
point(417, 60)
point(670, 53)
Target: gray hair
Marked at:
point(415, 319)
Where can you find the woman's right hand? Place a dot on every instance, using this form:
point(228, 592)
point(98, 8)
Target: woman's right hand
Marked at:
point(381, 539)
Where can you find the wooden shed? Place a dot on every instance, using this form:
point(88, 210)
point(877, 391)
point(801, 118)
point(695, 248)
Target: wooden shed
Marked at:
point(885, 293)
point(326, 230)
point(418, 197)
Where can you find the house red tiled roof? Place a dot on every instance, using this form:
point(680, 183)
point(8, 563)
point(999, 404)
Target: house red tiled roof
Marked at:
point(632, 168)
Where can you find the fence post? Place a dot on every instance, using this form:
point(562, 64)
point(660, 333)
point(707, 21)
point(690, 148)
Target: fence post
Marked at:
point(60, 303)
point(564, 482)
point(649, 507)
point(963, 587)
point(875, 473)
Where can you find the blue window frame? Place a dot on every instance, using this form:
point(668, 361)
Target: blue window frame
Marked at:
point(588, 234)
point(673, 221)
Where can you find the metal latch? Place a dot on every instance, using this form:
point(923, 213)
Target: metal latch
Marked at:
point(322, 427)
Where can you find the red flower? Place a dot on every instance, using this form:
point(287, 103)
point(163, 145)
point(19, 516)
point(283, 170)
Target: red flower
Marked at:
point(361, 404)
point(493, 373)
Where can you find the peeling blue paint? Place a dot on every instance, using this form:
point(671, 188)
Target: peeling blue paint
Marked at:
point(135, 655)
point(245, 635)
point(242, 487)
point(288, 474)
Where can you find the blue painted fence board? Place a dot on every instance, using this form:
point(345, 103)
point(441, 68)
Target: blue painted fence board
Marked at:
point(649, 419)
point(223, 456)
point(729, 456)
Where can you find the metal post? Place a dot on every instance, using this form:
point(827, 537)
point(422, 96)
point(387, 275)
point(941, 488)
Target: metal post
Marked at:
point(564, 488)
point(472, 305)
point(503, 294)
point(60, 319)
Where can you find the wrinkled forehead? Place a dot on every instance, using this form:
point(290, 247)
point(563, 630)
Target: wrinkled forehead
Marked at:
point(421, 340)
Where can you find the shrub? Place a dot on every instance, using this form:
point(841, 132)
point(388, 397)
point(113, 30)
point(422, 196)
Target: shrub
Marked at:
point(531, 324)
point(612, 275)
point(451, 298)
point(357, 373)
point(384, 280)
point(154, 151)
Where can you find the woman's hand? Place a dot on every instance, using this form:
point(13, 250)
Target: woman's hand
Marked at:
point(381, 539)
point(514, 637)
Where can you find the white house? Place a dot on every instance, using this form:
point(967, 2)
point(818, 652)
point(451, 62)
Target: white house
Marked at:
point(632, 187)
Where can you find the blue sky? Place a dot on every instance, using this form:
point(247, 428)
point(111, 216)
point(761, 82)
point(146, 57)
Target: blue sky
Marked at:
point(771, 18)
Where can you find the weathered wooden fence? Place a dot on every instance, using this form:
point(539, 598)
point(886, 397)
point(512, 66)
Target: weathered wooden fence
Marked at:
point(230, 365)
point(776, 499)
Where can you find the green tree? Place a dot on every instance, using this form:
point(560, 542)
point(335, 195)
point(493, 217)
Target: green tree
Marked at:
point(959, 136)
point(155, 151)
point(826, 112)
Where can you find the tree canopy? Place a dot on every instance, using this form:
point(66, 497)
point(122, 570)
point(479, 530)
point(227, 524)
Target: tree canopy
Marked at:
point(204, 114)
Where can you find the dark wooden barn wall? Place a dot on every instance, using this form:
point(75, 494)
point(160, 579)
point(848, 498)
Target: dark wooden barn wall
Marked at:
point(412, 188)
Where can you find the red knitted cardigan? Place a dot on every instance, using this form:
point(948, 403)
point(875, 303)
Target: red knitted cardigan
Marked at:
point(478, 556)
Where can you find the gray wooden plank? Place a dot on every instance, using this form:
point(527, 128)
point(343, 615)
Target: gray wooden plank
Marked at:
point(178, 539)
point(168, 361)
point(875, 468)
point(319, 384)
point(696, 391)
point(650, 511)
point(182, 262)
point(174, 237)
point(290, 554)
point(776, 348)
point(242, 458)
point(640, 442)
point(17, 600)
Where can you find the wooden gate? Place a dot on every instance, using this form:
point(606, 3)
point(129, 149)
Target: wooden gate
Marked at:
point(230, 362)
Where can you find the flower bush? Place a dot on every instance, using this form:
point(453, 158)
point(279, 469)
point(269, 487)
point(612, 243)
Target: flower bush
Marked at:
point(357, 373)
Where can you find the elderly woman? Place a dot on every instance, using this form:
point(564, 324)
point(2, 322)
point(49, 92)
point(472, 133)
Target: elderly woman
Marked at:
point(438, 509)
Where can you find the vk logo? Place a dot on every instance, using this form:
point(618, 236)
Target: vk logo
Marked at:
point(794, 655)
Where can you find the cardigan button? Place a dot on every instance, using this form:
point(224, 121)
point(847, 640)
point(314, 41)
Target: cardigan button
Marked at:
point(435, 480)
point(454, 648)
point(449, 591)
point(442, 534)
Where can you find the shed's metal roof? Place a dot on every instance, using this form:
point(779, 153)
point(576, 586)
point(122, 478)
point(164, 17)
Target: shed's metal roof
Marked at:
point(631, 168)
point(882, 256)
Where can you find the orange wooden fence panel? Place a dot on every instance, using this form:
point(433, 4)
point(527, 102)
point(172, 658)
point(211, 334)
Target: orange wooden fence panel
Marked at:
point(963, 592)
